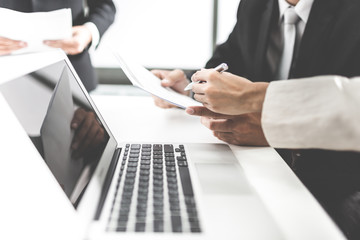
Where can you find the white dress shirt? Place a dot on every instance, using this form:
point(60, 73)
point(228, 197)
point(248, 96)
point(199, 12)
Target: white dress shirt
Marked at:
point(95, 35)
point(276, 44)
point(320, 112)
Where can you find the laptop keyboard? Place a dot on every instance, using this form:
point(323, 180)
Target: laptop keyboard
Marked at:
point(154, 191)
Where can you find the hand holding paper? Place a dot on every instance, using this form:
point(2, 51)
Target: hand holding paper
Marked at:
point(33, 28)
point(174, 80)
point(8, 46)
point(81, 37)
point(142, 78)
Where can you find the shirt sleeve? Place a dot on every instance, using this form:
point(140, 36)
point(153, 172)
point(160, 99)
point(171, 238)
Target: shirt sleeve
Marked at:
point(95, 35)
point(320, 112)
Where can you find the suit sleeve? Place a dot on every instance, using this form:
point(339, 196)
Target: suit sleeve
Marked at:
point(102, 14)
point(320, 112)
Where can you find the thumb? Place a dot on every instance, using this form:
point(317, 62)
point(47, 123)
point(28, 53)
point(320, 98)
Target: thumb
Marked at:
point(168, 82)
point(173, 78)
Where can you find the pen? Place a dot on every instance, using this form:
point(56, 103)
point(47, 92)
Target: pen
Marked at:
point(221, 68)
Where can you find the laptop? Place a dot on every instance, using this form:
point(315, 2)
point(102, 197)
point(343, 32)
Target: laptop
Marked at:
point(141, 190)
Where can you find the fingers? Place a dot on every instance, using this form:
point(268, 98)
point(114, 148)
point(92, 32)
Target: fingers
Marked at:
point(203, 111)
point(70, 46)
point(173, 78)
point(209, 78)
point(82, 130)
point(78, 118)
point(81, 37)
point(83, 146)
point(199, 88)
point(225, 136)
point(88, 140)
point(176, 80)
point(8, 45)
point(206, 75)
point(168, 78)
point(162, 103)
point(200, 98)
point(57, 43)
point(8, 50)
point(99, 138)
point(160, 73)
point(88, 132)
point(206, 87)
point(7, 41)
point(221, 125)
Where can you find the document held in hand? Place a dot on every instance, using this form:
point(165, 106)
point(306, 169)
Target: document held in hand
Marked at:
point(144, 79)
point(34, 28)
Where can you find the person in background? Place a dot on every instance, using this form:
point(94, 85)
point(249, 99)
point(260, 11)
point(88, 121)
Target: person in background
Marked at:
point(286, 39)
point(91, 19)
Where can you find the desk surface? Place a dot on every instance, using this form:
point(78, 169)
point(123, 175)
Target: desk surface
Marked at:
point(297, 213)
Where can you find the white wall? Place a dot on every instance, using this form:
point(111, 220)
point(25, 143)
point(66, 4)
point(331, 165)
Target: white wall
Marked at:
point(226, 18)
point(165, 33)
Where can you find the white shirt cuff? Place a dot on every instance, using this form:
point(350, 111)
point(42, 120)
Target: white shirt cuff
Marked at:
point(319, 112)
point(95, 35)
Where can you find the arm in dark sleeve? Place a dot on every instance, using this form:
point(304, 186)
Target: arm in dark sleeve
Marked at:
point(352, 68)
point(102, 14)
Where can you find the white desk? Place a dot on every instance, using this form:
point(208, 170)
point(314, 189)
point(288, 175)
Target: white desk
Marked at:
point(297, 213)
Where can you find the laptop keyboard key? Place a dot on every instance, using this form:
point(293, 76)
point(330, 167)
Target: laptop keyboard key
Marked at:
point(135, 146)
point(168, 148)
point(176, 224)
point(158, 225)
point(140, 227)
point(186, 181)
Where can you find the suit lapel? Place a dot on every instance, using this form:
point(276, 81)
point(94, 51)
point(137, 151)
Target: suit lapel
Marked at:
point(270, 14)
point(316, 33)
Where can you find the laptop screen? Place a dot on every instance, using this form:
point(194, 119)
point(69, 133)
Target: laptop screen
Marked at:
point(60, 121)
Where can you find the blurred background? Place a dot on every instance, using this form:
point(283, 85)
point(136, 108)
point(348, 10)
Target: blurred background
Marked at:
point(164, 34)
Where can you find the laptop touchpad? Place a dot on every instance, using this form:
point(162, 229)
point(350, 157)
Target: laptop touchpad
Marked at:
point(224, 179)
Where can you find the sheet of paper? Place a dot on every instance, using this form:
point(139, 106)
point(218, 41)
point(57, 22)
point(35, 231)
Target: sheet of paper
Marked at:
point(36, 27)
point(144, 79)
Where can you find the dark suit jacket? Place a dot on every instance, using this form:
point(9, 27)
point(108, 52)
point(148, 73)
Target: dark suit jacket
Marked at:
point(102, 13)
point(330, 45)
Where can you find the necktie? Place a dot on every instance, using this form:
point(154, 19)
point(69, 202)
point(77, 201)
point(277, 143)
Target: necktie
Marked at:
point(290, 21)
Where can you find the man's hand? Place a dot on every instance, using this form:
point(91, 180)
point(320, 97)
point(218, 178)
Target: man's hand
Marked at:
point(175, 80)
point(81, 38)
point(8, 46)
point(242, 129)
point(89, 134)
point(227, 93)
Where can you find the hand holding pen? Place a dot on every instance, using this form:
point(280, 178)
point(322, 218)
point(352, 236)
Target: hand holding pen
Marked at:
point(226, 93)
point(221, 68)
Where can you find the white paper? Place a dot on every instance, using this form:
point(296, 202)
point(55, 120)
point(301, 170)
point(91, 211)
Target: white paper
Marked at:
point(34, 28)
point(144, 79)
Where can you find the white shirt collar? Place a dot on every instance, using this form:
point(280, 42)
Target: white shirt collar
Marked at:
point(302, 8)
